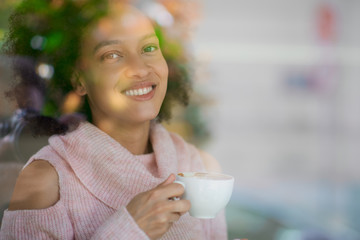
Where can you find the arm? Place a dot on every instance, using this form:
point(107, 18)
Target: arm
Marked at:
point(34, 211)
point(37, 187)
point(149, 215)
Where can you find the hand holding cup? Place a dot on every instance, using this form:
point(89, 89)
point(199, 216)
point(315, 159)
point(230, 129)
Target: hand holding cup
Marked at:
point(208, 193)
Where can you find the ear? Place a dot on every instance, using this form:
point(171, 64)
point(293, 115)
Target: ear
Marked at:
point(78, 84)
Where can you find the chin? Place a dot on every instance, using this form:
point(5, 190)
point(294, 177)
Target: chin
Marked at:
point(144, 117)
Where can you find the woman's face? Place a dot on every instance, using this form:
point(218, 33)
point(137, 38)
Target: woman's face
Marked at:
point(123, 71)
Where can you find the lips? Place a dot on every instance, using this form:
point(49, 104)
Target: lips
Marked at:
point(138, 92)
point(141, 91)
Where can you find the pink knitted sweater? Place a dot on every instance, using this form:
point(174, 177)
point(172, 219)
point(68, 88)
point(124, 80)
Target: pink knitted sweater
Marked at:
point(98, 178)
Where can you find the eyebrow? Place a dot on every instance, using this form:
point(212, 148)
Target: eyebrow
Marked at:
point(105, 43)
point(116, 42)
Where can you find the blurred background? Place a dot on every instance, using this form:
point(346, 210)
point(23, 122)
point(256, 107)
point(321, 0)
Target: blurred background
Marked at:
point(285, 79)
point(277, 102)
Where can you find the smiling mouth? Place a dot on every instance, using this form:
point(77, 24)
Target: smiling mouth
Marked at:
point(139, 91)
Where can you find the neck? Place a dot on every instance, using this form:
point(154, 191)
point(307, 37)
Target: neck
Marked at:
point(134, 137)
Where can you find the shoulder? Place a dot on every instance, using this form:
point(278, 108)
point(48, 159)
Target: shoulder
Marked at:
point(210, 163)
point(37, 187)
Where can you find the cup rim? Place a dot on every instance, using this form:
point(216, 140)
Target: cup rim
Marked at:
point(226, 176)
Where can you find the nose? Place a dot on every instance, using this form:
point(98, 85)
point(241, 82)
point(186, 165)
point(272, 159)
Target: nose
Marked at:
point(136, 67)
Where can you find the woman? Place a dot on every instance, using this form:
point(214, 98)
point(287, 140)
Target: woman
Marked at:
point(111, 178)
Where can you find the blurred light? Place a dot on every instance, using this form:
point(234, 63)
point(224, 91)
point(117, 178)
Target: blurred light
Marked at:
point(45, 71)
point(160, 14)
point(72, 103)
point(38, 42)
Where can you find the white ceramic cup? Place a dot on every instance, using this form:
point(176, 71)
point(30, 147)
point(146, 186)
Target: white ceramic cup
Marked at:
point(208, 193)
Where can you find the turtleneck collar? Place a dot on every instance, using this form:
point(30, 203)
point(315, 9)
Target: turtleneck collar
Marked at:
point(110, 171)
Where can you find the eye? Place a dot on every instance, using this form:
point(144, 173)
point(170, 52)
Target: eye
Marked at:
point(150, 49)
point(111, 56)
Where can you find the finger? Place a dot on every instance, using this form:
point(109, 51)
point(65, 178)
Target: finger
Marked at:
point(169, 180)
point(171, 191)
point(167, 189)
point(181, 206)
point(173, 217)
point(175, 190)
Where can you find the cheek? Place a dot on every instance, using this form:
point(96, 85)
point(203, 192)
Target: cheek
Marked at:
point(101, 77)
point(163, 70)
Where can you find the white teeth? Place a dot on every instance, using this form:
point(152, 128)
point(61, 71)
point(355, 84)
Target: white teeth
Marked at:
point(138, 92)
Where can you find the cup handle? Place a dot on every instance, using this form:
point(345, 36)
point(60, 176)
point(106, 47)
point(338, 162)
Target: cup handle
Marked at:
point(177, 198)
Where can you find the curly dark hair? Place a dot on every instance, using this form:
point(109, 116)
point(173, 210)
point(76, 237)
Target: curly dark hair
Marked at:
point(49, 32)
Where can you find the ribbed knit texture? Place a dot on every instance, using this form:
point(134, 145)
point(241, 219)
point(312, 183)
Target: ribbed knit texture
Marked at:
point(98, 177)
